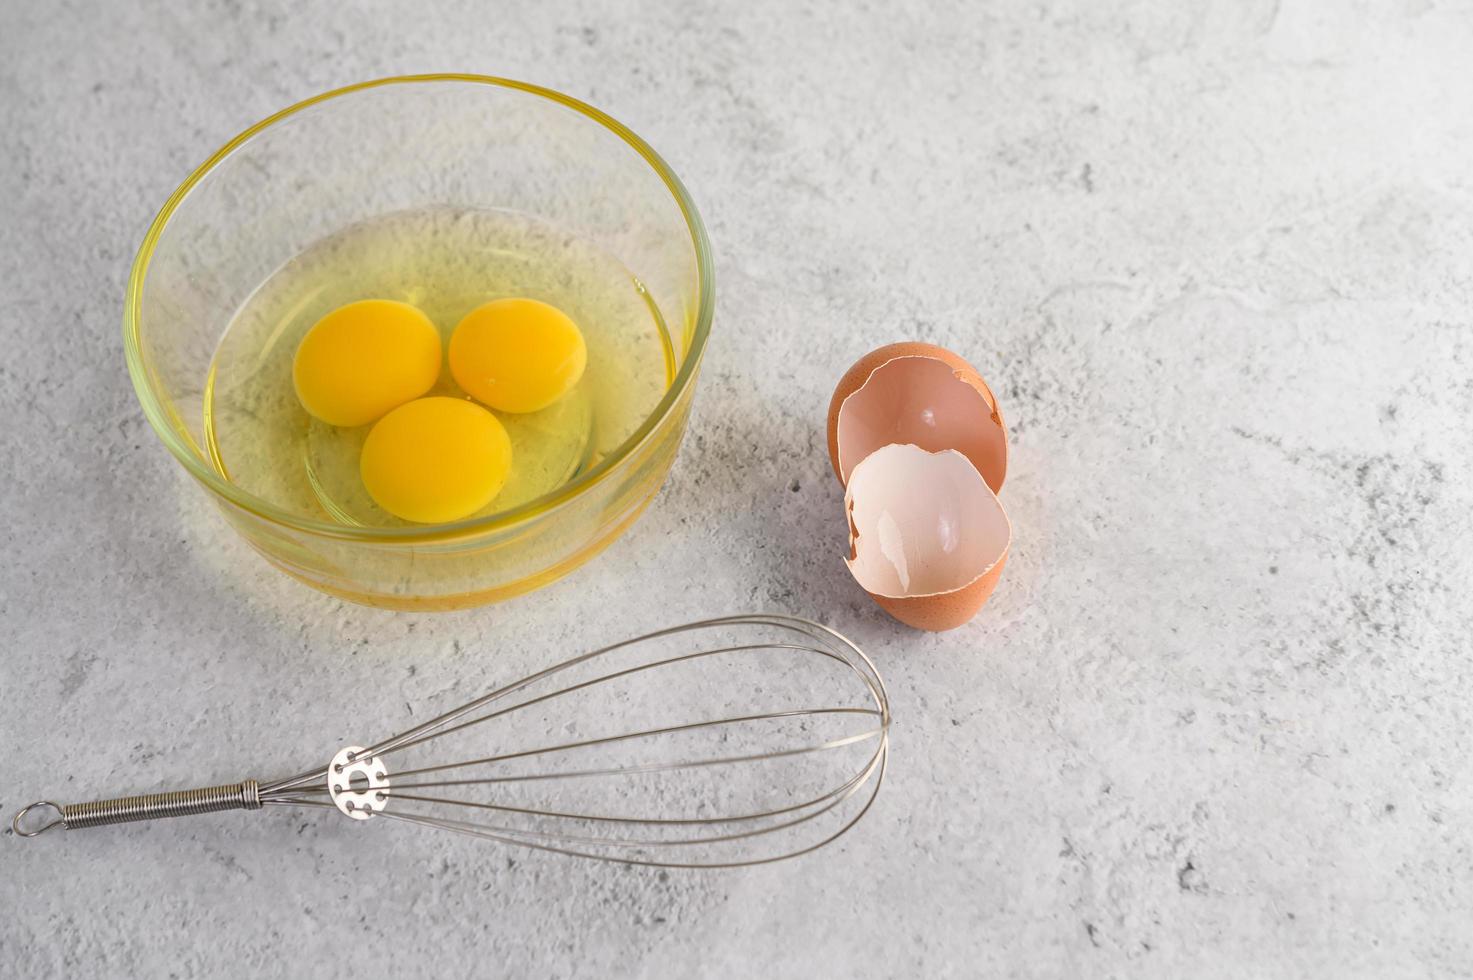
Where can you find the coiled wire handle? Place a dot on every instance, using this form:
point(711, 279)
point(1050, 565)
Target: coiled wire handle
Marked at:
point(153, 806)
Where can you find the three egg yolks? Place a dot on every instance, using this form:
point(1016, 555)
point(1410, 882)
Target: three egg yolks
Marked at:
point(436, 459)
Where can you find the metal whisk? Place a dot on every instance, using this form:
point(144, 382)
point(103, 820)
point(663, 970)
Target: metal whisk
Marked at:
point(721, 743)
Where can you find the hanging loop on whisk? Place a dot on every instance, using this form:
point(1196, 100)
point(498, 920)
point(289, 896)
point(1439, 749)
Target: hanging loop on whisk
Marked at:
point(17, 822)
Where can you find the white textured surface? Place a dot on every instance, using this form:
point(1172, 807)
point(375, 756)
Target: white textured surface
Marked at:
point(1217, 260)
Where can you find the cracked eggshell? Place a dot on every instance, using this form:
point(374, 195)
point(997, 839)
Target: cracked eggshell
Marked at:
point(927, 536)
point(918, 394)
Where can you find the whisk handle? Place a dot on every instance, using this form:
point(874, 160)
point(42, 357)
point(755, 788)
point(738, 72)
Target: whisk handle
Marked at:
point(152, 806)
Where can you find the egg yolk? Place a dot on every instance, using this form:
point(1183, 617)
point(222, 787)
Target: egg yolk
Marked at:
point(517, 355)
point(435, 460)
point(363, 359)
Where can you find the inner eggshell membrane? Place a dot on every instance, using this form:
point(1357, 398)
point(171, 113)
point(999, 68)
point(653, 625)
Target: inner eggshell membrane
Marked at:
point(922, 523)
point(920, 401)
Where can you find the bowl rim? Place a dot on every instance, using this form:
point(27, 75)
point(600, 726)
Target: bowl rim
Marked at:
point(188, 453)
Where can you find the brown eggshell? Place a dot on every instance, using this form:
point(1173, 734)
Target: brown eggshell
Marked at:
point(927, 536)
point(918, 394)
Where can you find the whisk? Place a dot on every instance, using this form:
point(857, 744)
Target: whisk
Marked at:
point(722, 743)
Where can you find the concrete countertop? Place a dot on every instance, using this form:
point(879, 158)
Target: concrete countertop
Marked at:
point(1217, 260)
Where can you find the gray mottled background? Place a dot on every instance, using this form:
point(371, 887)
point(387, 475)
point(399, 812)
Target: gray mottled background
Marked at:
point(1216, 259)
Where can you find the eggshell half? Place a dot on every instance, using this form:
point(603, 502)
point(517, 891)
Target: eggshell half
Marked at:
point(927, 536)
point(918, 394)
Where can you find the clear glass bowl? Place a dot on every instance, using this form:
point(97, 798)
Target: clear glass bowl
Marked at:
point(386, 146)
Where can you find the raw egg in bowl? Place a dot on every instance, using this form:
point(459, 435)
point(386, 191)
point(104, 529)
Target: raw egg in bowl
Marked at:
point(473, 191)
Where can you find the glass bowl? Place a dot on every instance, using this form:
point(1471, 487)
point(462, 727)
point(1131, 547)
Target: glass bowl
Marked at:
point(384, 146)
